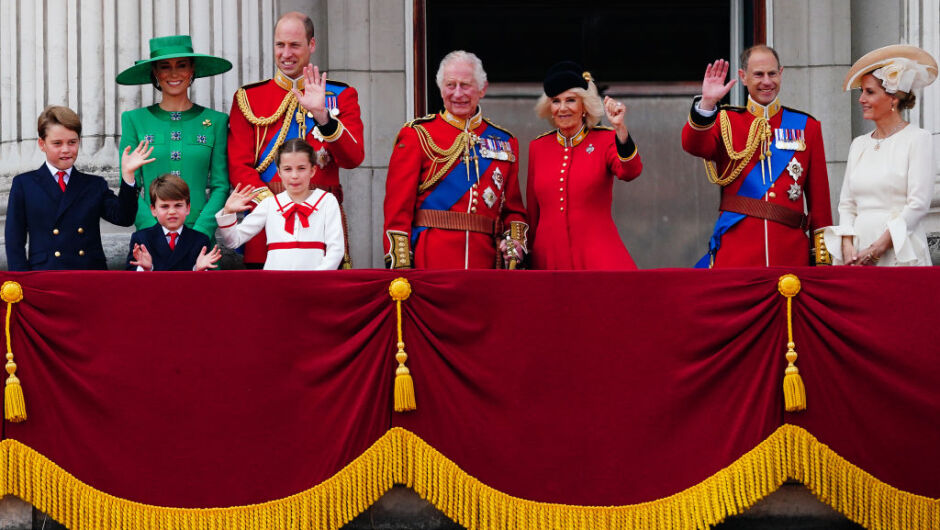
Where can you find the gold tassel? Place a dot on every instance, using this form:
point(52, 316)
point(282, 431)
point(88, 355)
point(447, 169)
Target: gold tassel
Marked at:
point(14, 404)
point(794, 392)
point(400, 290)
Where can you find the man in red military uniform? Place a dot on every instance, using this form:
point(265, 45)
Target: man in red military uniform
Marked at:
point(770, 162)
point(452, 194)
point(298, 102)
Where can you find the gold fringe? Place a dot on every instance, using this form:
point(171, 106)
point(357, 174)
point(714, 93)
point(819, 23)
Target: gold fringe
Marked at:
point(14, 404)
point(401, 457)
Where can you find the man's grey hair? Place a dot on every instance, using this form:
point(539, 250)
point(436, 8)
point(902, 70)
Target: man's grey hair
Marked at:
point(479, 75)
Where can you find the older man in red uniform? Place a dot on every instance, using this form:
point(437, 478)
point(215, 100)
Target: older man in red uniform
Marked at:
point(299, 102)
point(452, 195)
point(769, 161)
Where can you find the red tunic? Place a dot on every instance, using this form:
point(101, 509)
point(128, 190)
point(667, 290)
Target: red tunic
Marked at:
point(343, 148)
point(569, 194)
point(494, 195)
point(755, 242)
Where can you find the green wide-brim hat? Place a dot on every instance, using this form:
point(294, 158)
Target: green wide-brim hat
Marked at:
point(172, 47)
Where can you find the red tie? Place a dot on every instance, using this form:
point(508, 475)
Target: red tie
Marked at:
point(303, 211)
point(173, 236)
point(61, 175)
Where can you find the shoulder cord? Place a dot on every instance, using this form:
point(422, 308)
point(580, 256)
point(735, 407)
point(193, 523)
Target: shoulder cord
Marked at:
point(757, 137)
point(441, 159)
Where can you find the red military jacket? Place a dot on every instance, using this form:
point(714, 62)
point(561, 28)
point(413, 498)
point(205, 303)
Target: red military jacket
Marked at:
point(257, 116)
point(569, 192)
point(803, 187)
point(484, 191)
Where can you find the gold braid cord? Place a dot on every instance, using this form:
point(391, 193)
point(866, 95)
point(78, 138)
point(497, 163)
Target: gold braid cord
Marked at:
point(402, 457)
point(442, 159)
point(14, 404)
point(287, 107)
point(757, 137)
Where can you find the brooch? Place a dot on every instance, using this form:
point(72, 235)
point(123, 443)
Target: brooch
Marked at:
point(176, 116)
point(795, 169)
point(489, 197)
point(590, 148)
point(794, 192)
point(207, 123)
point(498, 178)
point(148, 138)
point(175, 155)
point(176, 135)
point(201, 138)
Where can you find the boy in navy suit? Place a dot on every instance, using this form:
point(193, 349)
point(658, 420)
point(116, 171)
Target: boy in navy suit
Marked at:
point(170, 245)
point(57, 207)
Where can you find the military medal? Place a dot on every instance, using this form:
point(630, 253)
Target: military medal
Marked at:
point(795, 169)
point(794, 192)
point(323, 157)
point(789, 139)
point(498, 178)
point(590, 148)
point(489, 197)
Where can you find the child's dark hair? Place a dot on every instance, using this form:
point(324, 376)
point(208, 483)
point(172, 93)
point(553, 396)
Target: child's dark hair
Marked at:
point(296, 145)
point(58, 115)
point(168, 187)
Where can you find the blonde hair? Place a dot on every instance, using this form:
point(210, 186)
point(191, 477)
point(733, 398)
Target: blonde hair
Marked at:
point(590, 99)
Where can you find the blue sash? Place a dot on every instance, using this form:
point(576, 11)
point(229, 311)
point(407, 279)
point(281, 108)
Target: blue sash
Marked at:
point(455, 183)
point(332, 93)
point(753, 187)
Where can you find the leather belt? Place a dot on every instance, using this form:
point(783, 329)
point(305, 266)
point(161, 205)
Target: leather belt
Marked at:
point(764, 210)
point(454, 221)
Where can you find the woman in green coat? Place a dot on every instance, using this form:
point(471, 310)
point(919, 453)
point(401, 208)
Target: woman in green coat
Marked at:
point(188, 140)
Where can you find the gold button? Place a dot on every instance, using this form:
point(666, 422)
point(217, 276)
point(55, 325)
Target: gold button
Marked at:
point(476, 193)
point(55, 231)
point(563, 164)
point(81, 252)
point(562, 179)
point(561, 189)
point(57, 253)
point(562, 170)
point(566, 149)
point(772, 195)
point(562, 199)
point(473, 209)
point(566, 157)
point(474, 201)
point(81, 230)
point(562, 208)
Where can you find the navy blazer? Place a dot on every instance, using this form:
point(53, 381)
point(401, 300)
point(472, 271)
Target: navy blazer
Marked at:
point(182, 258)
point(63, 228)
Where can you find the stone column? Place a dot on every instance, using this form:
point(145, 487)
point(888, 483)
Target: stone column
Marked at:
point(65, 52)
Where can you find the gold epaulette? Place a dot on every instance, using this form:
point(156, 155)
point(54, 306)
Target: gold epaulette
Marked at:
point(544, 134)
point(602, 128)
point(791, 109)
point(256, 83)
point(491, 124)
point(422, 119)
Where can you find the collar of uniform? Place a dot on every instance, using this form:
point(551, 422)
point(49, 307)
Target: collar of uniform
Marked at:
point(287, 83)
point(462, 124)
point(564, 141)
point(761, 111)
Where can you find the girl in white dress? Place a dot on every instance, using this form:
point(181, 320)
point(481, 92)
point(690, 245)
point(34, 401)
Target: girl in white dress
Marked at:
point(304, 228)
point(889, 175)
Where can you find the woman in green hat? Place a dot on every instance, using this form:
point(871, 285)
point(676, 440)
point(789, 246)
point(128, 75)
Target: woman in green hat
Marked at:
point(188, 140)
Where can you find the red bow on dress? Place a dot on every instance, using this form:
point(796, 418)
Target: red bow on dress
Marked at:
point(303, 211)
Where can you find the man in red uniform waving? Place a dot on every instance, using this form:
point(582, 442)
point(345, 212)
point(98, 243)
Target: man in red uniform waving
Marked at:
point(452, 195)
point(299, 102)
point(769, 161)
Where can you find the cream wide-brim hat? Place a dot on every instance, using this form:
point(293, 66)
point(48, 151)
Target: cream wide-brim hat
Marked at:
point(889, 55)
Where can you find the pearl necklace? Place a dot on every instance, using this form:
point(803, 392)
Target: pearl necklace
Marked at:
point(896, 128)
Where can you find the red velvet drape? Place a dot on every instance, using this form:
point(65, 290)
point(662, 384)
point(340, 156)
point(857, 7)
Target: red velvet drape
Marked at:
point(595, 388)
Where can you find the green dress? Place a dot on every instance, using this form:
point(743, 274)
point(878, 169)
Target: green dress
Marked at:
point(190, 144)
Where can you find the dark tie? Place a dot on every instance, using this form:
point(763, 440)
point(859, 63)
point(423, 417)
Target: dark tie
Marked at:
point(61, 175)
point(173, 236)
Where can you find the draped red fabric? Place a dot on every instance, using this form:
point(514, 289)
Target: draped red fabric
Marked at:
point(199, 390)
point(594, 388)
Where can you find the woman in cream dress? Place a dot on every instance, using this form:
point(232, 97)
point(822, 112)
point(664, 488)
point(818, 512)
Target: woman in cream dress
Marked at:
point(889, 176)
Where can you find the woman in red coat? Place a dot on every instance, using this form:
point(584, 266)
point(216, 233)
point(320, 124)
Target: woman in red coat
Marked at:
point(571, 175)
